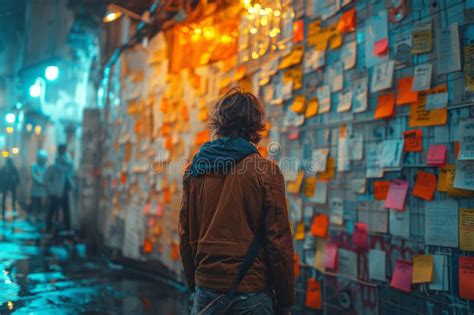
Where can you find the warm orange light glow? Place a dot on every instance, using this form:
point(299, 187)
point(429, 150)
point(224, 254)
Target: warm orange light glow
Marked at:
point(9, 129)
point(111, 16)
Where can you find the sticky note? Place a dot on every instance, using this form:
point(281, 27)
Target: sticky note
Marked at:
point(330, 170)
point(300, 231)
point(466, 277)
point(319, 255)
point(330, 256)
point(294, 187)
point(347, 263)
point(360, 237)
point(402, 275)
point(405, 94)
point(399, 223)
point(311, 108)
point(466, 229)
point(147, 246)
point(347, 21)
point(320, 225)
point(299, 103)
point(321, 192)
point(385, 106)
point(443, 180)
point(296, 264)
point(298, 31)
point(425, 185)
point(422, 269)
point(466, 135)
point(377, 264)
point(440, 277)
point(437, 101)
point(421, 117)
point(309, 186)
point(313, 294)
point(381, 47)
point(381, 189)
point(397, 194)
point(413, 140)
point(147, 208)
point(437, 155)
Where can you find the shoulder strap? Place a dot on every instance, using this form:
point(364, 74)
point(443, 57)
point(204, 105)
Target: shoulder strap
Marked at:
point(248, 261)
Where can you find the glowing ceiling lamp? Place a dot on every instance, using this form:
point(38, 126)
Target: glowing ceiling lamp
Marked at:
point(51, 73)
point(35, 90)
point(111, 16)
point(114, 12)
point(15, 150)
point(5, 153)
point(38, 129)
point(10, 118)
point(9, 129)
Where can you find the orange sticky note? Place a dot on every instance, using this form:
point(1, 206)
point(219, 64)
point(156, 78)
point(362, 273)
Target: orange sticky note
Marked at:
point(347, 22)
point(425, 185)
point(405, 94)
point(174, 251)
point(330, 170)
point(466, 277)
point(313, 294)
point(456, 149)
point(413, 140)
point(422, 269)
point(309, 186)
point(320, 225)
point(385, 106)
point(296, 265)
point(294, 187)
point(312, 108)
point(401, 278)
point(147, 246)
point(298, 31)
point(381, 47)
point(420, 117)
point(381, 189)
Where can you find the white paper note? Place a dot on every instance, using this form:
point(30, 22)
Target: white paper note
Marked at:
point(441, 223)
point(466, 137)
point(377, 263)
point(349, 54)
point(347, 263)
point(391, 154)
point(440, 273)
point(400, 223)
point(320, 192)
point(320, 157)
point(422, 77)
point(336, 205)
point(324, 99)
point(464, 177)
point(448, 53)
point(436, 101)
point(359, 95)
point(345, 101)
point(335, 76)
point(382, 76)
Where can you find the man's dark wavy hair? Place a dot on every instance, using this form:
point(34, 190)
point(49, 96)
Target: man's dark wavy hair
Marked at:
point(238, 114)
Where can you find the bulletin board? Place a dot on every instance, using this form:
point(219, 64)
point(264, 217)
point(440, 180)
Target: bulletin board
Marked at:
point(370, 117)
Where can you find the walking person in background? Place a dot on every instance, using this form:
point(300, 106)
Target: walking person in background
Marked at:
point(10, 178)
point(38, 190)
point(58, 182)
point(234, 220)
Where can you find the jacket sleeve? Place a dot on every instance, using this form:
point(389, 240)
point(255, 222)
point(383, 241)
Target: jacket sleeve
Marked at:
point(185, 249)
point(279, 241)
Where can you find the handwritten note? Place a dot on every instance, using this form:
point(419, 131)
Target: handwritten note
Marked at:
point(422, 77)
point(377, 262)
point(397, 194)
point(422, 38)
point(382, 76)
point(466, 135)
point(464, 177)
point(320, 192)
point(401, 278)
point(448, 52)
point(320, 157)
point(422, 269)
point(413, 140)
point(391, 155)
point(348, 55)
point(320, 225)
point(450, 177)
point(359, 95)
point(466, 277)
point(313, 60)
point(381, 189)
point(345, 101)
point(436, 101)
point(335, 76)
point(336, 205)
point(425, 185)
point(347, 263)
point(466, 229)
point(374, 215)
point(441, 223)
point(373, 161)
point(313, 294)
point(437, 155)
point(400, 223)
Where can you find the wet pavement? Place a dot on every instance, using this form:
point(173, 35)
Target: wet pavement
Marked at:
point(37, 278)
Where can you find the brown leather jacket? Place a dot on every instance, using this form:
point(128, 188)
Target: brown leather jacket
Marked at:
point(219, 217)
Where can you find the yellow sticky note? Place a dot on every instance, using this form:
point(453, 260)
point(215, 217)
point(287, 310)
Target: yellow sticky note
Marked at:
point(330, 170)
point(294, 187)
point(312, 108)
point(293, 58)
point(300, 231)
point(422, 269)
point(309, 186)
point(299, 103)
point(443, 180)
point(455, 192)
point(420, 117)
point(466, 229)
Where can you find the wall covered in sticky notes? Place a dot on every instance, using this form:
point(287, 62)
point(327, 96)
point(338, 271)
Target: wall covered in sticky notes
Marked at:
point(370, 116)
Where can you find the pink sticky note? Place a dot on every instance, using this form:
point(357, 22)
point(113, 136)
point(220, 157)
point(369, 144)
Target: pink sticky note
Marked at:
point(330, 256)
point(360, 236)
point(397, 193)
point(147, 208)
point(437, 155)
point(159, 210)
point(401, 278)
point(381, 47)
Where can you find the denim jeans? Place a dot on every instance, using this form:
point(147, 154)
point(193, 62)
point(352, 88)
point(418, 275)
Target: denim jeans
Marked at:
point(249, 303)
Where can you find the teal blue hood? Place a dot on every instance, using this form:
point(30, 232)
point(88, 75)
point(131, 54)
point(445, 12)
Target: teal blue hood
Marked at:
point(220, 155)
